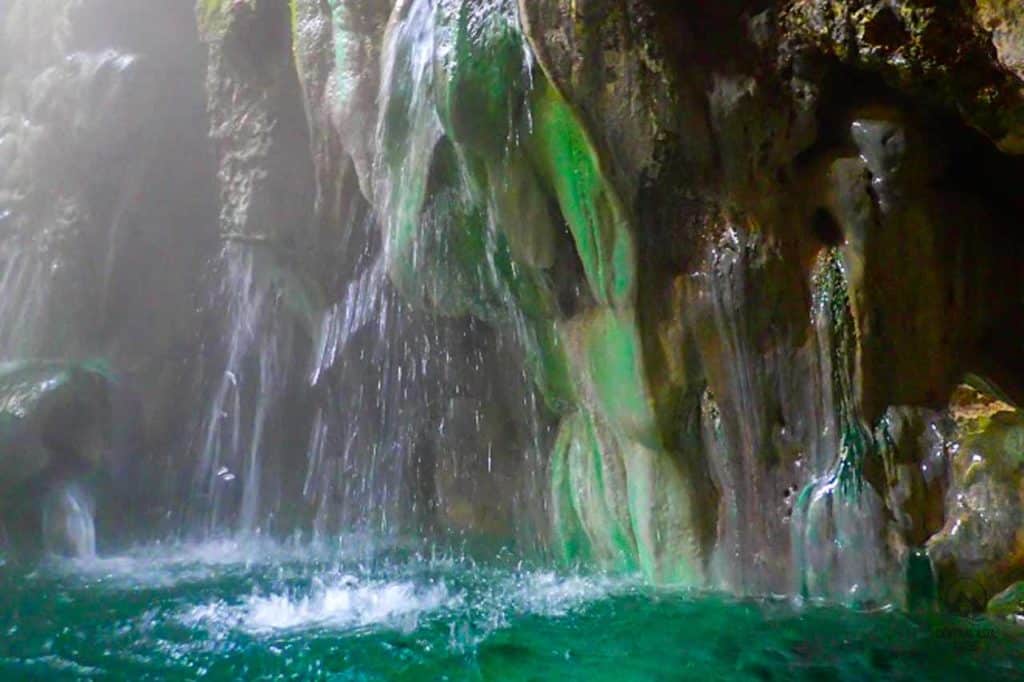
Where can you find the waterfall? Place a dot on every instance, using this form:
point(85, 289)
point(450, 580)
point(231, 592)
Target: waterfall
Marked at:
point(417, 414)
point(68, 526)
point(456, 277)
point(23, 297)
point(247, 388)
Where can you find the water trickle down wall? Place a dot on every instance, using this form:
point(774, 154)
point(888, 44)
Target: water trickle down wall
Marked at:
point(585, 279)
point(320, 357)
point(493, 204)
point(428, 420)
point(266, 309)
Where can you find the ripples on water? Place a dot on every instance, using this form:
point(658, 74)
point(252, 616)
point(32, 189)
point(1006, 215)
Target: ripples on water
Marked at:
point(259, 610)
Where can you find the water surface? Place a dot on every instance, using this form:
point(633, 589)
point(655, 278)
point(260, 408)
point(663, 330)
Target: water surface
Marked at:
point(230, 610)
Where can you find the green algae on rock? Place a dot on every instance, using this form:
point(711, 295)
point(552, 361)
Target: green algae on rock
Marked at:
point(488, 170)
point(1009, 602)
point(676, 290)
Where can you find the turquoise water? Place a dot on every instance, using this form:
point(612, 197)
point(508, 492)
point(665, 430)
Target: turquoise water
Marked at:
point(230, 611)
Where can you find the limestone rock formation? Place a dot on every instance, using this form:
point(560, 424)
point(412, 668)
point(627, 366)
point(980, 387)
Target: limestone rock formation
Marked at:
point(724, 293)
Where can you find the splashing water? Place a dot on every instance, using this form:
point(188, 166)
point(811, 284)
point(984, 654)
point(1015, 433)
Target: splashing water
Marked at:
point(342, 604)
point(230, 610)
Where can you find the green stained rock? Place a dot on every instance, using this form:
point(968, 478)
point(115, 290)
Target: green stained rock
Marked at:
point(1009, 602)
point(481, 80)
point(621, 504)
point(665, 517)
point(608, 364)
point(50, 414)
point(346, 47)
point(566, 156)
point(467, 223)
point(591, 505)
point(430, 237)
point(548, 362)
point(521, 211)
point(474, 156)
point(620, 497)
point(476, 84)
point(446, 254)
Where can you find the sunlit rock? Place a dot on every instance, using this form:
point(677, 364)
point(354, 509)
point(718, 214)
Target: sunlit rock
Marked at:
point(655, 287)
point(67, 432)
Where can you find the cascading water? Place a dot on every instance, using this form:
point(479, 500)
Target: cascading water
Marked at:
point(68, 526)
point(404, 406)
point(252, 383)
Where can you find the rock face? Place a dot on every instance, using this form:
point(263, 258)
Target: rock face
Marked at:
point(67, 435)
point(107, 207)
point(693, 291)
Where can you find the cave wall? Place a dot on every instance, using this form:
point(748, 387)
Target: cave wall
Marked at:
point(724, 293)
point(107, 214)
point(812, 272)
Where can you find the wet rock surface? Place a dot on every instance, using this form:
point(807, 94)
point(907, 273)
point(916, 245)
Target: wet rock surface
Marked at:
point(674, 288)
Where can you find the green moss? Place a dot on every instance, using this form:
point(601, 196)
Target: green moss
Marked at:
point(477, 81)
point(468, 231)
point(572, 543)
point(548, 361)
point(481, 78)
point(213, 15)
point(612, 367)
point(625, 485)
point(343, 44)
point(832, 297)
point(593, 519)
point(566, 156)
point(1009, 602)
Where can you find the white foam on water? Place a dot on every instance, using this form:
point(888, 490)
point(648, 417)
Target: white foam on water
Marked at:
point(168, 564)
point(164, 565)
point(506, 596)
point(299, 586)
point(345, 603)
point(547, 593)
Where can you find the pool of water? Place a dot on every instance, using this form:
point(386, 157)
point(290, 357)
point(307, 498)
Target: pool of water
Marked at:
point(230, 610)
